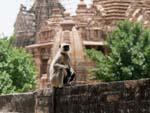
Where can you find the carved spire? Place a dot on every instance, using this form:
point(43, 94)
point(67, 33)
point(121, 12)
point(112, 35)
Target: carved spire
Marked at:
point(67, 23)
point(57, 9)
point(82, 4)
point(22, 7)
point(82, 7)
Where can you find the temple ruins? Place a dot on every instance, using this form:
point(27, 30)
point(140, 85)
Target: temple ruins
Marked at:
point(47, 24)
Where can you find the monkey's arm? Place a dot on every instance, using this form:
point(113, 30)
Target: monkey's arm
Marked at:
point(69, 62)
point(69, 65)
point(60, 66)
point(57, 62)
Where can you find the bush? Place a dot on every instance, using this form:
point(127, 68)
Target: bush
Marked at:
point(17, 70)
point(129, 56)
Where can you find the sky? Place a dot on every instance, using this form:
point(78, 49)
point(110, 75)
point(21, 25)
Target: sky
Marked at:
point(9, 10)
point(8, 13)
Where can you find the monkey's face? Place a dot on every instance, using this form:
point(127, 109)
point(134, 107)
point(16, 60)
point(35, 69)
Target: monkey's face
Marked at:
point(65, 47)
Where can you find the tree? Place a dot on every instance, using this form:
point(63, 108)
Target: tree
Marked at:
point(17, 69)
point(129, 56)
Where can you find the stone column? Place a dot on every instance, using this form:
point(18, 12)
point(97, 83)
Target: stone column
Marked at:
point(38, 64)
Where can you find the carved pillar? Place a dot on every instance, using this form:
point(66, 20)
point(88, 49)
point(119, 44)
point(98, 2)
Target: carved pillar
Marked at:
point(38, 62)
point(88, 34)
point(99, 35)
point(92, 35)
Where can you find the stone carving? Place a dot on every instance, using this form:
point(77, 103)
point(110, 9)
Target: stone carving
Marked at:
point(87, 29)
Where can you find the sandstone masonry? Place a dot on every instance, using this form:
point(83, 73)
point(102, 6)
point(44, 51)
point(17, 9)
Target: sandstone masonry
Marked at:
point(115, 97)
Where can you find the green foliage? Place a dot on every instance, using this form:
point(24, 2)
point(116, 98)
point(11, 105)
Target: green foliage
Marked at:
point(17, 70)
point(129, 56)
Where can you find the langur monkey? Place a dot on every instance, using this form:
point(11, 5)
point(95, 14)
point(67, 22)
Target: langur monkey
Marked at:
point(60, 71)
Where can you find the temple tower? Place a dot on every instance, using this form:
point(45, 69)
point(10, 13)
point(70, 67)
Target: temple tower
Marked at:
point(50, 26)
point(24, 27)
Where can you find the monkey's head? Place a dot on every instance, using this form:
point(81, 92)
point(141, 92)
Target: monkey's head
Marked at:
point(64, 47)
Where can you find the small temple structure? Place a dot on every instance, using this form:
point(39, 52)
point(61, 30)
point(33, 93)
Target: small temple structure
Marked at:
point(46, 25)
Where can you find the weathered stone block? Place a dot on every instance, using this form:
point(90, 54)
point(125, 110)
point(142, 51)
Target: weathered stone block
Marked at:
point(22, 103)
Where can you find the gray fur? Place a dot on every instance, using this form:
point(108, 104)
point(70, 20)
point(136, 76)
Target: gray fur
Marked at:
point(57, 68)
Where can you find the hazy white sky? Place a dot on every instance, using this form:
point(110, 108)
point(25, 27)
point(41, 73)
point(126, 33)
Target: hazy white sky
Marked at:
point(9, 10)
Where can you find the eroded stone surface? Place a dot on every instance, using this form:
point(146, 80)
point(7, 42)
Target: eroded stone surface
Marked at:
point(114, 97)
point(21, 103)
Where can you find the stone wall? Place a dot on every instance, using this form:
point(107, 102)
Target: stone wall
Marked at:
point(114, 97)
point(17, 103)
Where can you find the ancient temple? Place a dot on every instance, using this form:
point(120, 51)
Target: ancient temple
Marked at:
point(46, 25)
point(25, 29)
point(29, 22)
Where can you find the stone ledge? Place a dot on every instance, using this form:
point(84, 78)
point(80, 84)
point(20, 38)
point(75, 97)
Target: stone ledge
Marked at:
point(112, 97)
point(19, 103)
point(83, 97)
